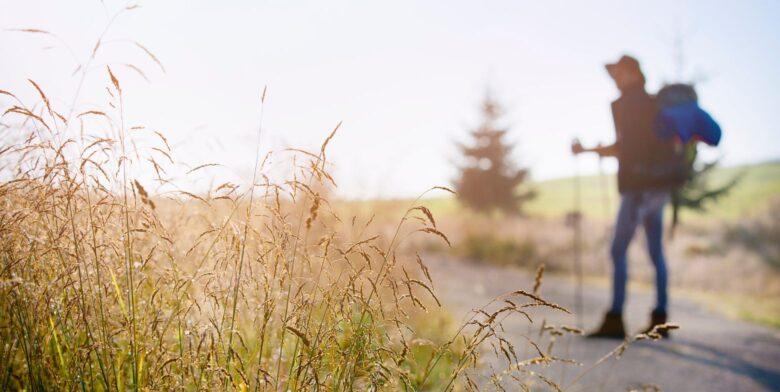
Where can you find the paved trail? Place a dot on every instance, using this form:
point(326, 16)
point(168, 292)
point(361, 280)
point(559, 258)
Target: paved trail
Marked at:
point(709, 353)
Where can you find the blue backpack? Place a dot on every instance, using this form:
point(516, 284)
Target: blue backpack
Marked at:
point(679, 116)
point(681, 120)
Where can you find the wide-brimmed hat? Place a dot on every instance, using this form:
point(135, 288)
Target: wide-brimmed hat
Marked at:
point(626, 62)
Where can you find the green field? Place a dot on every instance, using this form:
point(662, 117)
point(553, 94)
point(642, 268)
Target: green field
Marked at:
point(759, 184)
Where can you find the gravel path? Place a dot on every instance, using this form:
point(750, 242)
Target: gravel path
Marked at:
point(709, 353)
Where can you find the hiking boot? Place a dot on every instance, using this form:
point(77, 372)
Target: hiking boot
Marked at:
point(611, 328)
point(657, 318)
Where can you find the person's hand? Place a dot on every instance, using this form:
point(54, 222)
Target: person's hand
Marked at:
point(576, 147)
point(600, 150)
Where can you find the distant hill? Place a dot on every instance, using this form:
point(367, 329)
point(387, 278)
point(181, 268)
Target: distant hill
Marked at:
point(760, 183)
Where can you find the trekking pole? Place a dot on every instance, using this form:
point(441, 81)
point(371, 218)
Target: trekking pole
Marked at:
point(577, 226)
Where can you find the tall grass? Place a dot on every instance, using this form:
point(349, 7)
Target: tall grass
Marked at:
point(105, 285)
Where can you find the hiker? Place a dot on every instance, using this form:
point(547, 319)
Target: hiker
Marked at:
point(646, 174)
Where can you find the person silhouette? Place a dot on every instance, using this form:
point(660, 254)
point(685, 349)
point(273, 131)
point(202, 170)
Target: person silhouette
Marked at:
point(644, 185)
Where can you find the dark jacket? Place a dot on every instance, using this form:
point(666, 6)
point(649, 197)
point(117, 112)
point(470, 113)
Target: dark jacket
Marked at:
point(645, 161)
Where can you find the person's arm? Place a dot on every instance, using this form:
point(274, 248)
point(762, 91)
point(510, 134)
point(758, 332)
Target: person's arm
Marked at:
point(603, 151)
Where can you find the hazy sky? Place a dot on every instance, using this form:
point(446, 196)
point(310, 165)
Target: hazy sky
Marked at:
point(405, 77)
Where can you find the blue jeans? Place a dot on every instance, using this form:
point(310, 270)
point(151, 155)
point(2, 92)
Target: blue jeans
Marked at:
point(647, 208)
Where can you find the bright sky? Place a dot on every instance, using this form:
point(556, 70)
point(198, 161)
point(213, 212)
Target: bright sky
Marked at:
point(405, 77)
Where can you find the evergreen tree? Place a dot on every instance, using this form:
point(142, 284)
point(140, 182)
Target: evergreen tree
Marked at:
point(697, 194)
point(488, 179)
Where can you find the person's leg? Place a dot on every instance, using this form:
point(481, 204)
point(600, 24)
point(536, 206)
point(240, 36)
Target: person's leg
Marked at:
point(624, 231)
point(627, 218)
point(654, 228)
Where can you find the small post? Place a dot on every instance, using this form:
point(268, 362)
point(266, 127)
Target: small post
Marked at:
point(574, 219)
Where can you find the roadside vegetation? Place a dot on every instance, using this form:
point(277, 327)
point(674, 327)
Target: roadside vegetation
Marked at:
point(109, 282)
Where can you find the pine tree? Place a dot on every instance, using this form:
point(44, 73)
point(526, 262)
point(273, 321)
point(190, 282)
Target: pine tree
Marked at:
point(488, 180)
point(696, 194)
